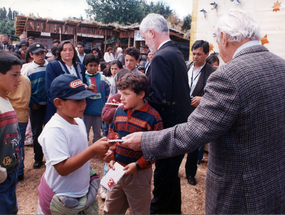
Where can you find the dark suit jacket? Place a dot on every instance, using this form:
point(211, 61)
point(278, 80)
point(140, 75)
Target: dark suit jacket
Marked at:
point(169, 85)
point(242, 114)
point(206, 71)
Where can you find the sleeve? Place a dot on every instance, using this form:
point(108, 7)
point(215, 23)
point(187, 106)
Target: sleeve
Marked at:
point(83, 69)
point(51, 74)
point(161, 82)
point(109, 111)
point(214, 116)
point(107, 87)
point(55, 146)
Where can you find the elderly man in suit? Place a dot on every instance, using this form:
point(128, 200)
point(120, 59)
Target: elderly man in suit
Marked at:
point(242, 112)
point(198, 73)
point(170, 96)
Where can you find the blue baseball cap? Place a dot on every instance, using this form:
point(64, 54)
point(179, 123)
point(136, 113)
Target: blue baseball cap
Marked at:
point(68, 86)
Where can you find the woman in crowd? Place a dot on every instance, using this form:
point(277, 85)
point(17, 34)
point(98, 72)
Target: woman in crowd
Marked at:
point(108, 56)
point(65, 63)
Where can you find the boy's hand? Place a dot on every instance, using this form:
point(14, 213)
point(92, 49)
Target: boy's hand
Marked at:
point(35, 107)
point(91, 87)
point(130, 168)
point(108, 156)
point(101, 146)
point(196, 101)
point(111, 165)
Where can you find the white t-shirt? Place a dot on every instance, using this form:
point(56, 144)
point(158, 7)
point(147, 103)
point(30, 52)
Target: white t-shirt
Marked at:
point(61, 140)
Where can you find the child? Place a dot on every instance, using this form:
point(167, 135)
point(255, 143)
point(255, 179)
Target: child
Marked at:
point(20, 100)
point(67, 185)
point(98, 84)
point(134, 188)
point(36, 72)
point(132, 56)
point(10, 152)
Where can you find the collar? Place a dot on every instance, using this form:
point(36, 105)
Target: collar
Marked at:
point(87, 73)
point(81, 55)
point(246, 45)
point(192, 66)
point(162, 44)
point(35, 65)
point(144, 108)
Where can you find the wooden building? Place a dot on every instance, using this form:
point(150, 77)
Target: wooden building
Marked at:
point(88, 32)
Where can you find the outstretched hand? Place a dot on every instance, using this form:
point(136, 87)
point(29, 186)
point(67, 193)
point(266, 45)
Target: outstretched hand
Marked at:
point(133, 141)
point(101, 146)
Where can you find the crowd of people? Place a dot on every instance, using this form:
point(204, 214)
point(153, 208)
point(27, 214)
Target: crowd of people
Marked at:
point(161, 108)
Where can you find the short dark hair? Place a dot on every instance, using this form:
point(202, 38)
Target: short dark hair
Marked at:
point(109, 48)
point(103, 65)
point(136, 82)
point(81, 44)
point(212, 58)
point(53, 50)
point(199, 44)
point(117, 62)
point(28, 57)
point(55, 41)
point(122, 72)
point(60, 48)
point(31, 37)
point(7, 60)
point(132, 51)
point(90, 58)
point(107, 72)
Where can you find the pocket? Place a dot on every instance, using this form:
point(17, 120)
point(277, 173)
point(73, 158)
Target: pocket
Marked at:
point(214, 191)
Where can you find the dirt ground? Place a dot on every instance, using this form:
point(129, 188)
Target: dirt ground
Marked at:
point(193, 197)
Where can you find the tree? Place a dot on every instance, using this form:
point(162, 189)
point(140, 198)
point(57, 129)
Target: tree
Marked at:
point(158, 7)
point(10, 14)
point(187, 22)
point(7, 23)
point(124, 12)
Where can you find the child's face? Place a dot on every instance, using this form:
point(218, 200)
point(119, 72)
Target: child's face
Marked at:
point(39, 57)
point(92, 67)
point(114, 69)
point(132, 100)
point(70, 109)
point(130, 62)
point(10, 81)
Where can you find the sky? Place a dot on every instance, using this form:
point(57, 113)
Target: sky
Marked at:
point(60, 9)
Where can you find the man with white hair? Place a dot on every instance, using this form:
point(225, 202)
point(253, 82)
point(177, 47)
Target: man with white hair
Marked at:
point(242, 115)
point(170, 96)
point(120, 56)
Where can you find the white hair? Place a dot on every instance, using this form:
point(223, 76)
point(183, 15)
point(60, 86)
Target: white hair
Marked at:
point(119, 49)
point(238, 25)
point(155, 22)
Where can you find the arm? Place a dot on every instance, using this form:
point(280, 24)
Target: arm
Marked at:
point(109, 111)
point(214, 116)
point(71, 164)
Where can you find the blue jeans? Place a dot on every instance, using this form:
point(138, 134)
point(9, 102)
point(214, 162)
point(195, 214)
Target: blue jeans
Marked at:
point(105, 128)
point(201, 153)
point(8, 200)
point(22, 127)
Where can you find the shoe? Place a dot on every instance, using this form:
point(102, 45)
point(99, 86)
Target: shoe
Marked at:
point(192, 180)
point(21, 177)
point(37, 164)
point(103, 193)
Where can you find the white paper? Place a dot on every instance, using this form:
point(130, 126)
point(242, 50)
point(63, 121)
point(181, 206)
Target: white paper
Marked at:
point(112, 177)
